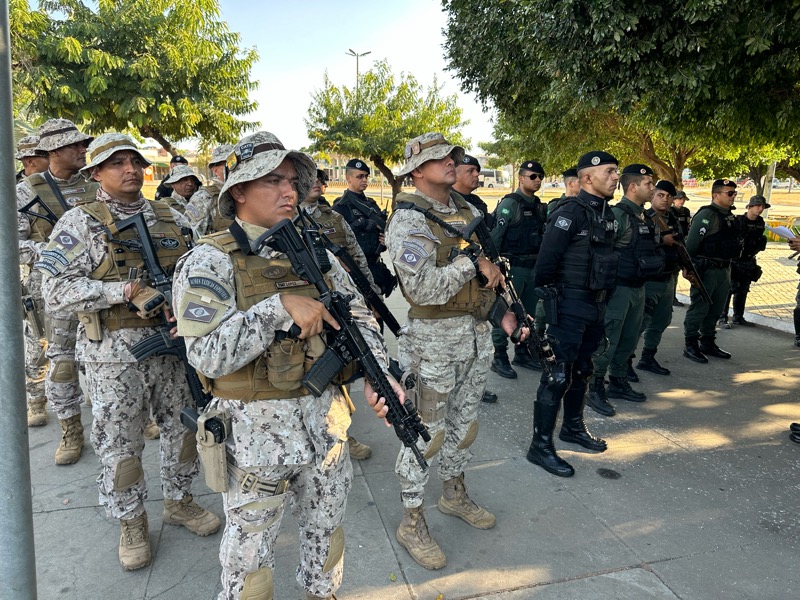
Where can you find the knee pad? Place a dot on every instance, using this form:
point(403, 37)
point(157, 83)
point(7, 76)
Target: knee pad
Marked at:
point(472, 433)
point(258, 585)
point(335, 549)
point(128, 473)
point(435, 445)
point(64, 371)
point(561, 380)
point(583, 369)
point(188, 451)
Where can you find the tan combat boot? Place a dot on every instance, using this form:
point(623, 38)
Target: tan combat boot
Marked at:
point(134, 543)
point(414, 536)
point(151, 431)
point(69, 450)
point(358, 451)
point(455, 502)
point(191, 515)
point(37, 413)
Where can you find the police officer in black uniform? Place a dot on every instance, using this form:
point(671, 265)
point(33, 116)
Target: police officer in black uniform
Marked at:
point(577, 264)
point(684, 217)
point(367, 221)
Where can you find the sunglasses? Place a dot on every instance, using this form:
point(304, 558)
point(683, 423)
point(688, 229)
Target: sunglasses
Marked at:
point(535, 176)
point(728, 194)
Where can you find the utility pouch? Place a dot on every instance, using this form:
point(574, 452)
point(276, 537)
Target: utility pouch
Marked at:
point(549, 298)
point(497, 311)
point(603, 273)
point(285, 364)
point(33, 315)
point(211, 451)
point(92, 326)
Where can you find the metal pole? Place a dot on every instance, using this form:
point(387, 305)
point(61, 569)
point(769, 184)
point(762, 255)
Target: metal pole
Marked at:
point(17, 556)
point(351, 52)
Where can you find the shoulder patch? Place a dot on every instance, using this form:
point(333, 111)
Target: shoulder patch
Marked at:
point(202, 314)
point(563, 223)
point(65, 239)
point(209, 284)
point(505, 211)
point(410, 256)
point(705, 221)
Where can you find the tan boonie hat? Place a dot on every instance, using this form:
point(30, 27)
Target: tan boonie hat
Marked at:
point(181, 172)
point(257, 155)
point(428, 146)
point(27, 147)
point(107, 144)
point(220, 154)
point(57, 133)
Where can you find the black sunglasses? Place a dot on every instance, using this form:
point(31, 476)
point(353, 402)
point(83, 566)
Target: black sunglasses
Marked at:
point(535, 176)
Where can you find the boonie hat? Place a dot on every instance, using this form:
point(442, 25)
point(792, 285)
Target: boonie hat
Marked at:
point(220, 154)
point(637, 169)
point(357, 163)
point(595, 158)
point(27, 147)
point(428, 146)
point(181, 172)
point(470, 160)
point(531, 165)
point(758, 200)
point(57, 133)
point(667, 186)
point(107, 144)
point(260, 154)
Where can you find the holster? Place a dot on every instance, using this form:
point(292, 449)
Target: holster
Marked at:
point(212, 453)
point(34, 316)
point(549, 297)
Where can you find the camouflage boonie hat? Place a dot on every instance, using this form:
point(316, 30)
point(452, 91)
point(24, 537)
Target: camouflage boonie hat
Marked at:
point(107, 144)
point(220, 154)
point(181, 172)
point(257, 155)
point(428, 146)
point(57, 133)
point(27, 147)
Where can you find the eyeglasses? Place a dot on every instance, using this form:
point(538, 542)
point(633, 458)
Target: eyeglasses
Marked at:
point(535, 176)
point(730, 194)
point(361, 176)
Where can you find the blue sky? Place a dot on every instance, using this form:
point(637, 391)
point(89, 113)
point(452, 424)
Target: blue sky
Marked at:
point(297, 41)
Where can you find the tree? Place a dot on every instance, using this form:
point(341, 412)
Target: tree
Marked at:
point(376, 119)
point(166, 69)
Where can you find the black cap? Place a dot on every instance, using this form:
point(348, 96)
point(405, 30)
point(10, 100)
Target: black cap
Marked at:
point(573, 172)
point(531, 165)
point(718, 183)
point(758, 201)
point(667, 186)
point(595, 158)
point(637, 169)
point(322, 176)
point(179, 160)
point(357, 163)
point(470, 160)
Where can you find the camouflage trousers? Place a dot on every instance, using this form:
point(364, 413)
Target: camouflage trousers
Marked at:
point(122, 396)
point(317, 494)
point(462, 382)
point(35, 364)
point(62, 386)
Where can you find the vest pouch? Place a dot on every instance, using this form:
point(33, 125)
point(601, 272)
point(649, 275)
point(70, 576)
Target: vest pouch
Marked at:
point(650, 266)
point(284, 364)
point(603, 274)
point(314, 348)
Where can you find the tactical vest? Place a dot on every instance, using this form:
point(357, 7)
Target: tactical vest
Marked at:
point(753, 234)
point(365, 230)
point(81, 191)
point(683, 216)
point(330, 223)
point(640, 260)
point(724, 244)
point(277, 374)
point(523, 236)
point(671, 258)
point(217, 221)
point(589, 262)
point(173, 203)
point(471, 299)
point(170, 244)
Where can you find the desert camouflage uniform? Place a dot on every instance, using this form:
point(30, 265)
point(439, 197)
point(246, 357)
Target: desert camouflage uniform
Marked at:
point(301, 440)
point(451, 355)
point(197, 210)
point(122, 389)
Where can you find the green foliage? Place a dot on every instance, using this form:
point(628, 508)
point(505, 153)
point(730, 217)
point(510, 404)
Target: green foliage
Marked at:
point(167, 69)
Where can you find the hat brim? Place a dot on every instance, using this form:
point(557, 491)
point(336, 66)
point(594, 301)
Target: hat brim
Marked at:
point(433, 153)
point(106, 154)
point(56, 142)
point(172, 180)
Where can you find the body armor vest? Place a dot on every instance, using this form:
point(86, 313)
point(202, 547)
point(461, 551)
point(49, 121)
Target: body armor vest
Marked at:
point(81, 191)
point(173, 203)
point(724, 244)
point(276, 374)
point(365, 230)
point(217, 221)
point(523, 237)
point(640, 260)
point(589, 262)
point(753, 234)
point(330, 223)
point(170, 244)
point(471, 299)
point(683, 216)
point(663, 224)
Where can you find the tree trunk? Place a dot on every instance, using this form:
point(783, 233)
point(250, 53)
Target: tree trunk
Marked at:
point(148, 131)
point(396, 183)
point(670, 168)
point(792, 171)
point(757, 174)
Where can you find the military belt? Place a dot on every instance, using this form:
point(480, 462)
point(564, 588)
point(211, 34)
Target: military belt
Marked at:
point(248, 482)
point(713, 263)
point(585, 295)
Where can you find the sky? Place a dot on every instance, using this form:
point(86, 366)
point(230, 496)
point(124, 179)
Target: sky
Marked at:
point(298, 41)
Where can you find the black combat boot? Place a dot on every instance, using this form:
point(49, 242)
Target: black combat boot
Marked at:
point(523, 358)
point(709, 347)
point(501, 366)
point(797, 327)
point(573, 428)
point(648, 362)
point(542, 451)
point(489, 397)
point(692, 350)
point(631, 375)
point(618, 387)
point(598, 399)
point(739, 302)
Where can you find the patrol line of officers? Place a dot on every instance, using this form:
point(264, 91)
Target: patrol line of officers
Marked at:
point(593, 266)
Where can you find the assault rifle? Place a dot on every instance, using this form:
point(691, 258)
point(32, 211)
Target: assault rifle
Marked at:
point(377, 217)
point(48, 215)
point(345, 345)
point(162, 343)
point(684, 260)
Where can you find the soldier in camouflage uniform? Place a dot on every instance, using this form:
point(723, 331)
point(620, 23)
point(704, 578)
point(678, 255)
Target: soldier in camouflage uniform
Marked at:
point(88, 273)
point(58, 188)
point(33, 160)
point(446, 343)
point(189, 198)
point(285, 445)
point(216, 165)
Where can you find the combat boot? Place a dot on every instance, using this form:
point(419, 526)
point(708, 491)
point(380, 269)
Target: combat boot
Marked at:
point(598, 399)
point(542, 451)
point(151, 430)
point(739, 303)
point(191, 515)
point(413, 535)
point(796, 315)
point(523, 358)
point(489, 397)
point(71, 446)
point(630, 374)
point(358, 451)
point(501, 366)
point(648, 362)
point(134, 543)
point(692, 351)
point(708, 346)
point(573, 427)
point(37, 413)
point(457, 503)
point(618, 387)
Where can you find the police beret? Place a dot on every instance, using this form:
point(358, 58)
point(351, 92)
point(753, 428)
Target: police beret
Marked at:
point(723, 183)
point(357, 163)
point(637, 169)
point(531, 165)
point(667, 186)
point(595, 158)
point(573, 172)
point(758, 201)
point(470, 160)
point(178, 160)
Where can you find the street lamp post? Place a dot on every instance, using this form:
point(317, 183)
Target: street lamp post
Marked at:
point(351, 52)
